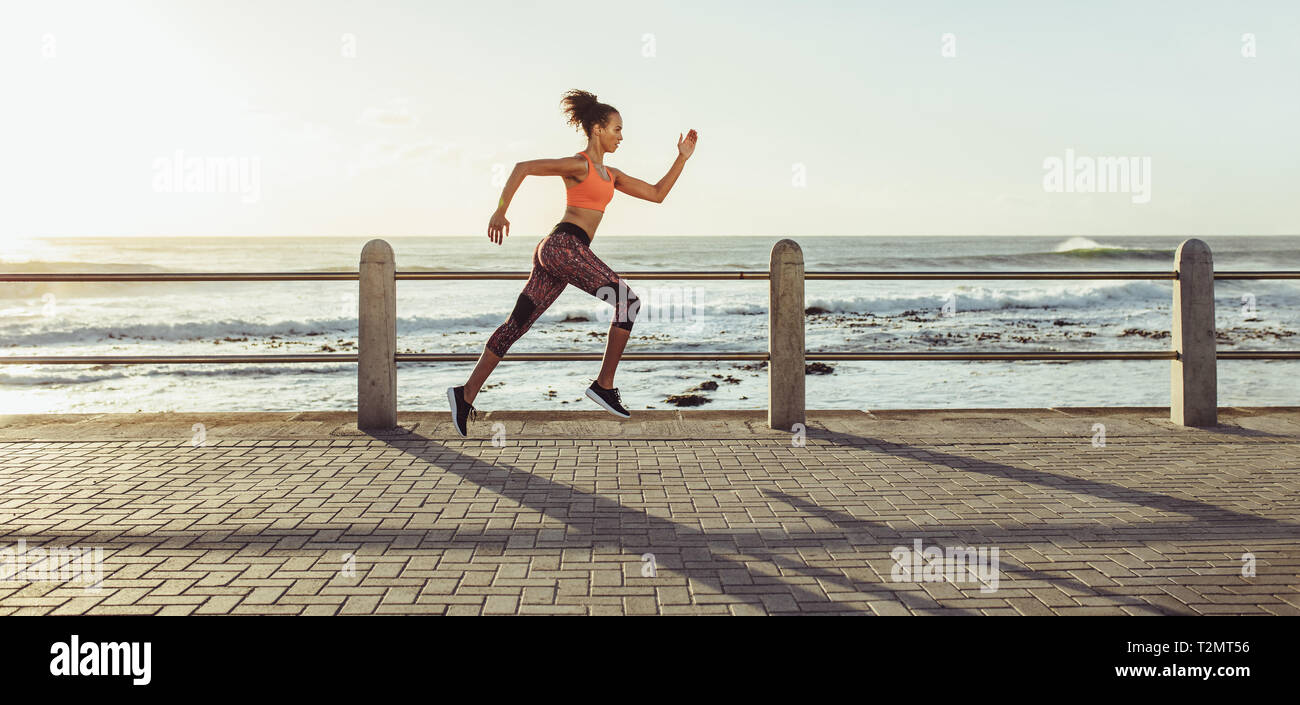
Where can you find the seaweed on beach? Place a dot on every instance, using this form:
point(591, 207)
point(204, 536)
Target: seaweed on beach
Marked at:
point(687, 399)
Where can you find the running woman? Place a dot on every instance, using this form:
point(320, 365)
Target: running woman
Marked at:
point(564, 256)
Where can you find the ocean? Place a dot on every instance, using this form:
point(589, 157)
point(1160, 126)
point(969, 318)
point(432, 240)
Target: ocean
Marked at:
point(136, 318)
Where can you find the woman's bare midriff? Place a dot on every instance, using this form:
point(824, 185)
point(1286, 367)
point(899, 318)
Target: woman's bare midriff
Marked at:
point(585, 218)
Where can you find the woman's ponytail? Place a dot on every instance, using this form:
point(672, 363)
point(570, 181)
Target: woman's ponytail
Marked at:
point(584, 110)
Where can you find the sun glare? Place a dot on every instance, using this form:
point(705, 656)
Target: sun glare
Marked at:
point(16, 250)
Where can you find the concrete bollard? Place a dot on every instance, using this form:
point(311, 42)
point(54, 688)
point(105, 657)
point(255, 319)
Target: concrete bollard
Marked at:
point(785, 339)
point(377, 338)
point(1193, 391)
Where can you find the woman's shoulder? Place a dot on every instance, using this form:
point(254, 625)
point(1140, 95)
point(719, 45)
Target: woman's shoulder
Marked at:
point(580, 159)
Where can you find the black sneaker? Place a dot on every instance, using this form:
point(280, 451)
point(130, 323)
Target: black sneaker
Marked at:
point(461, 410)
point(607, 399)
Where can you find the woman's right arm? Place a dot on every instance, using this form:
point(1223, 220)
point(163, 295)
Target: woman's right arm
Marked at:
point(498, 226)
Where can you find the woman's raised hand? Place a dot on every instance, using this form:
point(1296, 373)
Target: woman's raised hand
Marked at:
point(686, 147)
point(498, 227)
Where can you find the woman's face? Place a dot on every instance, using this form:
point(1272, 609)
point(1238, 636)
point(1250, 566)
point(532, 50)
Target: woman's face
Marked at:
point(611, 134)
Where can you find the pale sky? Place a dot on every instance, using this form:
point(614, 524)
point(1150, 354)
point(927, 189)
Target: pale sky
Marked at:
point(815, 118)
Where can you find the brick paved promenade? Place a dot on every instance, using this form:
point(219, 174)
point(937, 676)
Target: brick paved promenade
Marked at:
point(302, 514)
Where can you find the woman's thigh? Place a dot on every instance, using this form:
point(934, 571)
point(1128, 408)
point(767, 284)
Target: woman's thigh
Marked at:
point(567, 259)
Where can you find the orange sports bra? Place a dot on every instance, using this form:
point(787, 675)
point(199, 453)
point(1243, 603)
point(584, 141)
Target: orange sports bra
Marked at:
point(594, 192)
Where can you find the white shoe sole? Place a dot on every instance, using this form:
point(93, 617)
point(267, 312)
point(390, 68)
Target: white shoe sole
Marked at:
point(596, 398)
point(451, 399)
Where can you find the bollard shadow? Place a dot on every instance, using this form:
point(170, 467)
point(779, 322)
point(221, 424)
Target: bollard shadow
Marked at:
point(1209, 514)
point(844, 520)
point(1242, 432)
point(1220, 522)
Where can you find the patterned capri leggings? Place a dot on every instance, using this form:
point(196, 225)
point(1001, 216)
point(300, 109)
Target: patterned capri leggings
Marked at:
point(564, 257)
